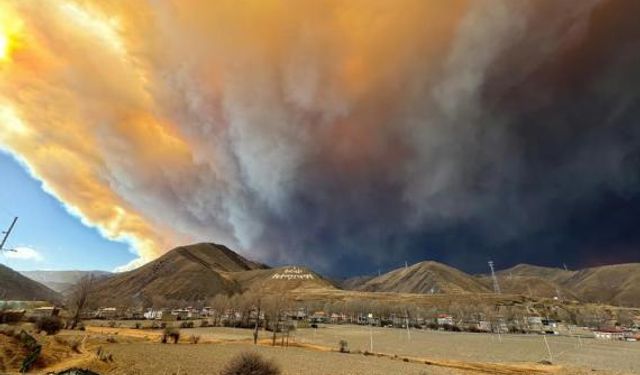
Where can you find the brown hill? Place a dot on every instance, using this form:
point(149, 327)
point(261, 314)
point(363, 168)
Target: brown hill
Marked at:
point(197, 273)
point(531, 286)
point(186, 273)
point(556, 275)
point(353, 283)
point(614, 284)
point(62, 281)
point(14, 286)
point(425, 277)
point(282, 279)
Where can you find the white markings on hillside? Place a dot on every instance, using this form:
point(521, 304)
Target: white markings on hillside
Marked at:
point(293, 273)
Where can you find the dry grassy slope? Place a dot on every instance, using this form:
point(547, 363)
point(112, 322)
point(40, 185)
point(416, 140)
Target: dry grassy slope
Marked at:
point(424, 277)
point(62, 281)
point(198, 272)
point(556, 275)
point(270, 280)
point(353, 283)
point(615, 284)
point(190, 273)
point(533, 286)
point(14, 286)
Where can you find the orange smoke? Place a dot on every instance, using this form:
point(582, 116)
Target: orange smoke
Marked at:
point(155, 123)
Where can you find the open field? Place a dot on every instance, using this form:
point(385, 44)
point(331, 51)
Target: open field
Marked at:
point(146, 358)
point(450, 351)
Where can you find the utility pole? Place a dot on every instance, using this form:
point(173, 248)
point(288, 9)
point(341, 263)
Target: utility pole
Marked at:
point(496, 286)
point(6, 235)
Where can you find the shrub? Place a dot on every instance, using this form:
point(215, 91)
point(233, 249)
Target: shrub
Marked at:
point(451, 327)
point(112, 323)
point(8, 331)
point(433, 326)
point(250, 363)
point(138, 325)
point(11, 316)
point(344, 346)
point(194, 339)
point(50, 324)
point(186, 325)
point(104, 356)
point(171, 333)
point(76, 345)
point(205, 323)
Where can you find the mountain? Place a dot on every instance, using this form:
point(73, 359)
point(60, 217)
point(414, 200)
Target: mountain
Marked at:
point(199, 272)
point(617, 284)
point(532, 286)
point(556, 275)
point(612, 284)
point(14, 286)
point(282, 279)
point(62, 281)
point(425, 277)
point(353, 283)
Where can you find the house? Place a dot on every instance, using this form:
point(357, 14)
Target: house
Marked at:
point(444, 319)
point(107, 313)
point(152, 314)
point(319, 317)
point(609, 334)
point(11, 315)
point(44, 311)
point(550, 326)
point(338, 318)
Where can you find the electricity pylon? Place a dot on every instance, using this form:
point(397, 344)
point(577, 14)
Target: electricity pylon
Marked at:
point(496, 286)
point(6, 235)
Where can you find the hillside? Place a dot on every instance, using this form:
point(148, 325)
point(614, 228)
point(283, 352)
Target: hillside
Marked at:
point(613, 284)
point(14, 286)
point(199, 272)
point(280, 280)
point(556, 275)
point(531, 286)
point(62, 281)
point(425, 277)
point(353, 283)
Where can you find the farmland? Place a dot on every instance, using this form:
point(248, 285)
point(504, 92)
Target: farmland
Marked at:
point(312, 350)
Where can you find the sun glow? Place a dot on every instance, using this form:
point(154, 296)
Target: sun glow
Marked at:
point(9, 28)
point(4, 47)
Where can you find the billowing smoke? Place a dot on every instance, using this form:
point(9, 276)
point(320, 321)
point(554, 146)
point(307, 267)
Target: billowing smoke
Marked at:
point(347, 135)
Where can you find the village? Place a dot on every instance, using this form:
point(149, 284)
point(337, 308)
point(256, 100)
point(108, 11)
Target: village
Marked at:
point(265, 316)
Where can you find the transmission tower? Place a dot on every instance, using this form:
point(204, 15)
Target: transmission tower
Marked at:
point(6, 235)
point(496, 286)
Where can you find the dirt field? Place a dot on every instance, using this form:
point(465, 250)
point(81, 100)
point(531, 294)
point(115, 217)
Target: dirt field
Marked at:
point(571, 351)
point(142, 359)
point(139, 352)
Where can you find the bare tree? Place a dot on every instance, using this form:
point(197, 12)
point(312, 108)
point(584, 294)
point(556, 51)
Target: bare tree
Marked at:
point(80, 298)
point(258, 312)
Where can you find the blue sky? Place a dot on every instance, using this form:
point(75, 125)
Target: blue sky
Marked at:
point(60, 239)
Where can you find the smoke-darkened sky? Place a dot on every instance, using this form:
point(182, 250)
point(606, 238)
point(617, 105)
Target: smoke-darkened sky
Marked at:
point(349, 136)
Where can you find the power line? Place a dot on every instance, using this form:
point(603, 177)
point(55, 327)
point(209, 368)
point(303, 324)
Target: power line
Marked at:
point(6, 235)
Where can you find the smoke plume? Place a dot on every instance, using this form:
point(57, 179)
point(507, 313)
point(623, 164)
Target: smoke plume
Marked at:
point(348, 135)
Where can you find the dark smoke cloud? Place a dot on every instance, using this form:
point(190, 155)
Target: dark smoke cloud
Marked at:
point(348, 136)
point(540, 158)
